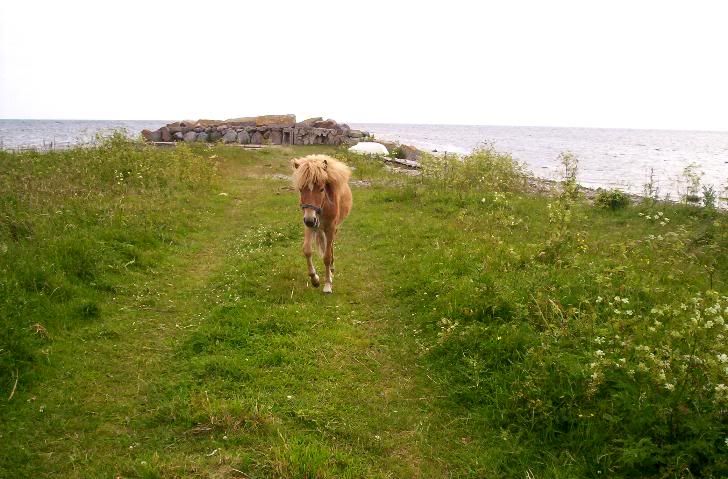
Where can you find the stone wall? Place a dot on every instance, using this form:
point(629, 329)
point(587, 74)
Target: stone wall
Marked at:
point(267, 129)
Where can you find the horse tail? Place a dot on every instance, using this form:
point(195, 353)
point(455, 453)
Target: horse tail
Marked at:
point(320, 242)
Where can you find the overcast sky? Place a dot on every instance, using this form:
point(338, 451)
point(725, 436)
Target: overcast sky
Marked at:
point(636, 64)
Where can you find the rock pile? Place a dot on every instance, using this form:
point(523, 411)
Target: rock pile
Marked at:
point(267, 129)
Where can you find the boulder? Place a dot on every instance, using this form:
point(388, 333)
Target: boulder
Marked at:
point(178, 136)
point(242, 121)
point(243, 137)
point(410, 152)
point(276, 137)
point(256, 138)
point(202, 137)
point(283, 121)
point(328, 124)
point(230, 137)
point(166, 134)
point(215, 135)
point(190, 136)
point(155, 135)
point(390, 145)
point(206, 123)
point(355, 134)
point(308, 123)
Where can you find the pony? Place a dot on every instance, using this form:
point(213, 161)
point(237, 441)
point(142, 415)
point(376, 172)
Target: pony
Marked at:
point(325, 198)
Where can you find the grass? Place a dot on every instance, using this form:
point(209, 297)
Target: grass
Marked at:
point(161, 325)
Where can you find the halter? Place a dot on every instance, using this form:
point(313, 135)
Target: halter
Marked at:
point(317, 209)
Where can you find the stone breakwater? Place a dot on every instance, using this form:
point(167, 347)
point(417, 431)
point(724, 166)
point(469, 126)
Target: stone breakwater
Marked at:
point(259, 130)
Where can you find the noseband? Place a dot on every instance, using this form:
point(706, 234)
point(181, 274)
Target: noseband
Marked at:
point(317, 209)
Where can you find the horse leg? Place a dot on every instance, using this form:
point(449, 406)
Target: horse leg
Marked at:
point(333, 270)
point(329, 262)
point(308, 238)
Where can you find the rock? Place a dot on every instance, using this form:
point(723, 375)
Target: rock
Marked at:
point(178, 136)
point(256, 138)
point(207, 123)
point(328, 124)
point(166, 135)
point(190, 136)
point(308, 123)
point(276, 137)
point(390, 145)
point(284, 121)
point(355, 134)
point(215, 135)
point(242, 121)
point(410, 152)
point(243, 137)
point(149, 135)
point(202, 137)
point(230, 137)
point(197, 129)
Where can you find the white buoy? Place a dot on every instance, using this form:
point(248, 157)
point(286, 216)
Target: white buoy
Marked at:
point(369, 148)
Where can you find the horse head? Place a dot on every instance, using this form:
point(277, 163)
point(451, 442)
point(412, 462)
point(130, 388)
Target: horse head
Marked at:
point(313, 189)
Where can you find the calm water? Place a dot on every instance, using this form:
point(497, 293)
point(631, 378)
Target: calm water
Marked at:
point(608, 157)
point(64, 133)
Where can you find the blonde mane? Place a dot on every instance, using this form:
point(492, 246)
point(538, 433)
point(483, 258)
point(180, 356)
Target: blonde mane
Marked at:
point(314, 170)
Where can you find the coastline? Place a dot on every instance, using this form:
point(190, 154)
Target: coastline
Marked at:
point(609, 158)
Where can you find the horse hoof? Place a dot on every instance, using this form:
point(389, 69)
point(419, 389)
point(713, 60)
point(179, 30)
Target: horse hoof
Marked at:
point(327, 288)
point(315, 281)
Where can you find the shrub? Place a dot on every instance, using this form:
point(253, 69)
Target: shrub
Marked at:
point(399, 153)
point(612, 199)
point(485, 169)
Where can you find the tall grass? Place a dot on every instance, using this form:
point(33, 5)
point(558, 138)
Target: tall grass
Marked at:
point(72, 223)
point(600, 350)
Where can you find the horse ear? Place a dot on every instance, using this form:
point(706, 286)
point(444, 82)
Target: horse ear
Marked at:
point(295, 163)
point(326, 164)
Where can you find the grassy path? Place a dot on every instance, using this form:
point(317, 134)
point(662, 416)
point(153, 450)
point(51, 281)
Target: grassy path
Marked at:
point(225, 363)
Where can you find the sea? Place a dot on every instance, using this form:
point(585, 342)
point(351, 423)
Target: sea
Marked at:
point(608, 158)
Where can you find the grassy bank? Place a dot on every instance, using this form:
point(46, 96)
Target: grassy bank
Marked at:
point(157, 322)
